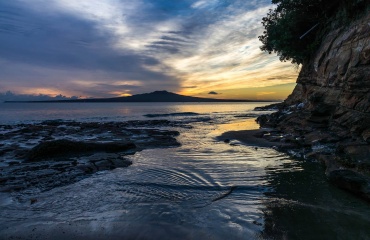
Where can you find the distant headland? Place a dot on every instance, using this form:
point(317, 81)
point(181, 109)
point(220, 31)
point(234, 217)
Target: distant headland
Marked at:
point(156, 96)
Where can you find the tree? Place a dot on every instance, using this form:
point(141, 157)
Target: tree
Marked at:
point(286, 25)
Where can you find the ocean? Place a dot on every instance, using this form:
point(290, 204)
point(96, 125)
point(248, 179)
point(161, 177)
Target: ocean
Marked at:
point(11, 113)
point(205, 189)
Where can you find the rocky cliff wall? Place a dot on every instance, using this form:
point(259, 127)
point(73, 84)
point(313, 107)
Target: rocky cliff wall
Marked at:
point(335, 85)
point(327, 116)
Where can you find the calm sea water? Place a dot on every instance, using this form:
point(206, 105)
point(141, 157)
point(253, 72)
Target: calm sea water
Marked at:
point(11, 113)
point(205, 189)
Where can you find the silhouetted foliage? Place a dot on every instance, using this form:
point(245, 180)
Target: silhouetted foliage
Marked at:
point(291, 19)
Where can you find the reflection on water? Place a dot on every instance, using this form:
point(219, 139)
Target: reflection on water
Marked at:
point(302, 205)
point(235, 126)
point(205, 189)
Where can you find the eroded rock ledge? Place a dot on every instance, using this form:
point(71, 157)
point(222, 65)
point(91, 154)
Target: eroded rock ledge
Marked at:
point(327, 117)
point(41, 156)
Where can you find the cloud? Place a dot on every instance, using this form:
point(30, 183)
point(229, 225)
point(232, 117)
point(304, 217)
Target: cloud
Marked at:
point(264, 93)
point(10, 96)
point(213, 93)
point(226, 54)
point(56, 50)
point(204, 3)
point(104, 48)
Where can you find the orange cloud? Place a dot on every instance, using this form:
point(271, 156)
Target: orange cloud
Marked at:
point(264, 93)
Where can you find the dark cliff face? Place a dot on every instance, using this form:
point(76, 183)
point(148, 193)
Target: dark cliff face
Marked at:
point(329, 110)
point(335, 84)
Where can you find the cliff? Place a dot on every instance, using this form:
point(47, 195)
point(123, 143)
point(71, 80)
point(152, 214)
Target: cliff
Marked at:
point(327, 117)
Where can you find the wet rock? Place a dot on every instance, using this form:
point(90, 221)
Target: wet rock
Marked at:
point(28, 163)
point(102, 161)
point(271, 107)
point(351, 181)
point(88, 169)
point(334, 121)
point(103, 165)
point(358, 155)
point(322, 109)
point(121, 162)
point(61, 148)
point(366, 135)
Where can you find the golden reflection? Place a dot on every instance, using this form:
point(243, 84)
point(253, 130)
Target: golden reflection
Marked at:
point(246, 124)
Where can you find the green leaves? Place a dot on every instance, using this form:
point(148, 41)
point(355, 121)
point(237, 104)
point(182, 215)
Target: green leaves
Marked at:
point(291, 19)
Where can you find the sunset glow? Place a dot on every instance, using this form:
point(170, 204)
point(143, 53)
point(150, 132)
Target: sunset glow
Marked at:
point(116, 48)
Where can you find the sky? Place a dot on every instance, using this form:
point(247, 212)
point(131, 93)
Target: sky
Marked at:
point(109, 48)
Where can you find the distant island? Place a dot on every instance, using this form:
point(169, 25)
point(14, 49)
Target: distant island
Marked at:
point(156, 96)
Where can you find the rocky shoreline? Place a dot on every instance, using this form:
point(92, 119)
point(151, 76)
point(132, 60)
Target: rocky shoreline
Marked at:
point(41, 156)
point(346, 159)
point(327, 117)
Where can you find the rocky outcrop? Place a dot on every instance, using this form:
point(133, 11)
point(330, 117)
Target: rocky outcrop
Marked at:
point(42, 156)
point(335, 85)
point(327, 116)
point(63, 148)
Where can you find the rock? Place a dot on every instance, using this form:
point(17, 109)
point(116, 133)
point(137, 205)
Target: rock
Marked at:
point(121, 162)
point(104, 165)
point(359, 155)
point(271, 107)
point(86, 168)
point(334, 122)
point(300, 106)
point(60, 148)
point(366, 135)
point(360, 152)
point(351, 181)
point(322, 109)
point(30, 164)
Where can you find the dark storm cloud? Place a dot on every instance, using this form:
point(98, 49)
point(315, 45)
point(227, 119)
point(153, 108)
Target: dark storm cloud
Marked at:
point(213, 93)
point(10, 96)
point(64, 42)
point(112, 86)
